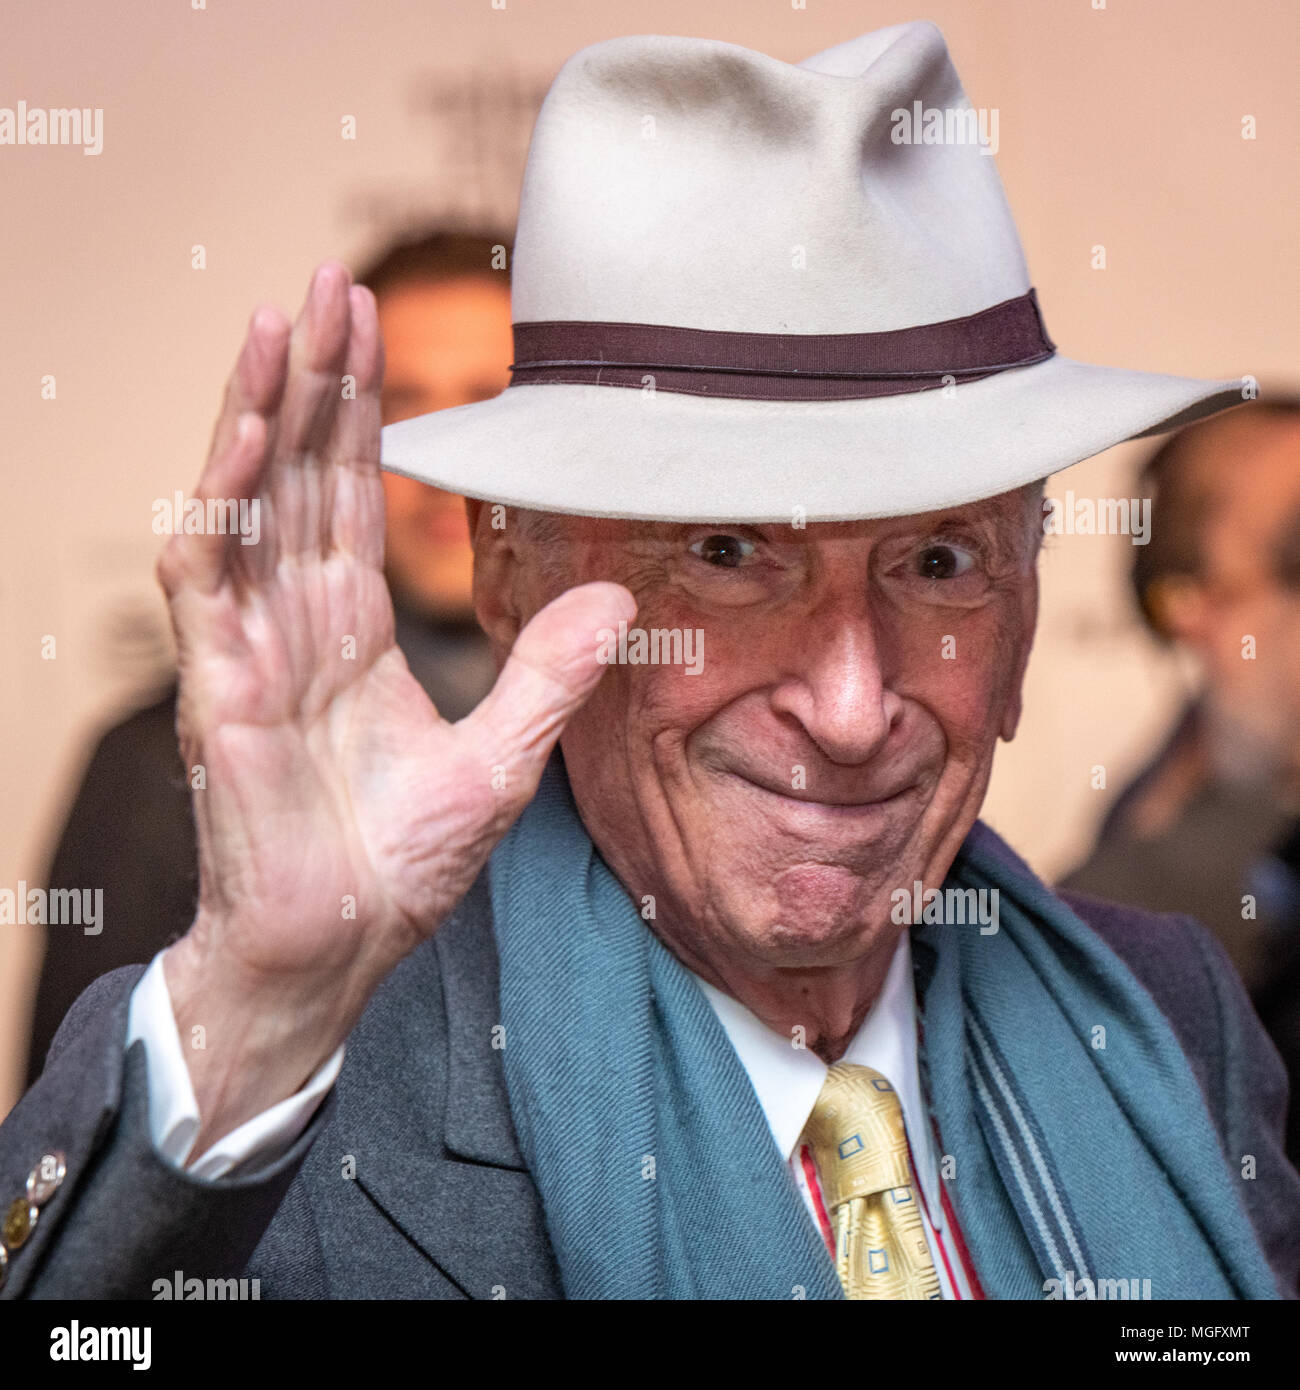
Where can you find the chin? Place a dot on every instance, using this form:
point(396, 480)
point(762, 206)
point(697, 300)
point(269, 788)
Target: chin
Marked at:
point(823, 915)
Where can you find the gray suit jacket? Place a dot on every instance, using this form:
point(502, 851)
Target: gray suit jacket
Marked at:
point(441, 1204)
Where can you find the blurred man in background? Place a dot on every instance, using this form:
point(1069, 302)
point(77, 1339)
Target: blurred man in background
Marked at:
point(444, 313)
point(1211, 827)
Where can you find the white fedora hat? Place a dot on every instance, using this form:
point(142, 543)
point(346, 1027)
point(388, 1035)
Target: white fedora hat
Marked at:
point(745, 291)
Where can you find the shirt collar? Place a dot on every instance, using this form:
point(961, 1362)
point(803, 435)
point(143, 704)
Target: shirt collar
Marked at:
point(788, 1079)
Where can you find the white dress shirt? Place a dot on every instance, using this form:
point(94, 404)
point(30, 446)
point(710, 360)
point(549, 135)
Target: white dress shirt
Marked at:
point(786, 1080)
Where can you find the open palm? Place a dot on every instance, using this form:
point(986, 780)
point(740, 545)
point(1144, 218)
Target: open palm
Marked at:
point(340, 817)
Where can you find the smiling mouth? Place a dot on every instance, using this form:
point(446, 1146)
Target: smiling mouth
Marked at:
point(840, 807)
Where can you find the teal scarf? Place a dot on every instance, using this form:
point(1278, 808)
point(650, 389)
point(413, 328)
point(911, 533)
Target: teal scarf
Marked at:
point(1069, 1161)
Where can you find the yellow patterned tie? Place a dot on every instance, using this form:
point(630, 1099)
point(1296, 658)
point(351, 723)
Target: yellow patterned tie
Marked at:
point(860, 1148)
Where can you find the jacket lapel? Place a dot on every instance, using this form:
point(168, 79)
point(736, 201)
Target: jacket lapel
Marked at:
point(477, 1124)
point(422, 1100)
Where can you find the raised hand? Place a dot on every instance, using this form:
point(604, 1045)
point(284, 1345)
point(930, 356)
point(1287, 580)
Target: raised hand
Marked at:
point(340, 818)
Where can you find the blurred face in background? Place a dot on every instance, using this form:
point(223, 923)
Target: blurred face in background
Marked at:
point(1249, 587)
point(447, 343)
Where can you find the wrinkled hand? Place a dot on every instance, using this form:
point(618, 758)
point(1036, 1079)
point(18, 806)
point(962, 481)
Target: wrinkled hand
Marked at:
point(340, 817)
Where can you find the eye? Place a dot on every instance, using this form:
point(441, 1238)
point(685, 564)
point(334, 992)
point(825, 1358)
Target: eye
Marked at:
point(726, 552)
point(943, 561)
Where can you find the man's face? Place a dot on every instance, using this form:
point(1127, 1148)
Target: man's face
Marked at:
point(1245, 622)
point(838, 738)
point(446, 343)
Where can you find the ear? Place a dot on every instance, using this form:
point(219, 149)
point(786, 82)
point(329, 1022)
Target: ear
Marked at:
point(1029, 622)
point(496, 574)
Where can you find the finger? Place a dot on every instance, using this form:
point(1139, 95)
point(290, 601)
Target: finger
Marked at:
point(234, 465)
point(551, 671)
point(303, 424)
point(258, 379)
point(201, 561)
point(357, 495)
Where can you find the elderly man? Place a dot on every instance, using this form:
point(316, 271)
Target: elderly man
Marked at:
point(728, 995)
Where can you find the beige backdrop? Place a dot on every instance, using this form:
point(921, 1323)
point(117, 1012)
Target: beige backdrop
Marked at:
point(1120, 126)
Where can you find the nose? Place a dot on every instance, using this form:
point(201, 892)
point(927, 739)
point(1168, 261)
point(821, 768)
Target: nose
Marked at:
point(837, 687)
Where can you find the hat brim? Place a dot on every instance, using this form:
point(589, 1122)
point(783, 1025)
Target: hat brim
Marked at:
point(610, 451)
